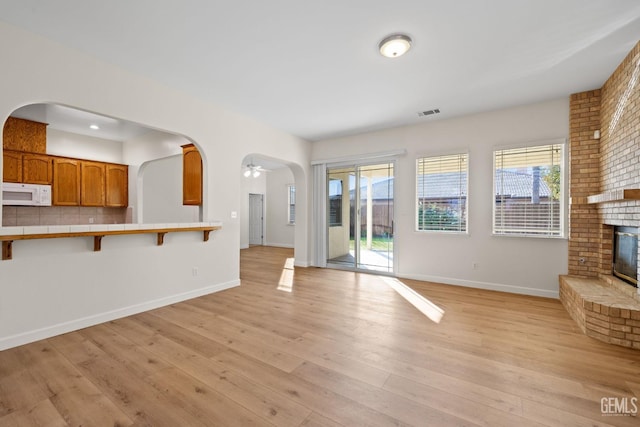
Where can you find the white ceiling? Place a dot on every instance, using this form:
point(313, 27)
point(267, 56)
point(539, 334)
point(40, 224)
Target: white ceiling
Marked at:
point(312, 68)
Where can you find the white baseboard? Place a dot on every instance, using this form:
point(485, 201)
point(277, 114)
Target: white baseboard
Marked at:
point(484, 285)
point(74, 325)
point(302, 264)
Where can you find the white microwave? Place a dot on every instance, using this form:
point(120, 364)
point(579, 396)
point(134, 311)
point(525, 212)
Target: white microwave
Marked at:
point(15, 194)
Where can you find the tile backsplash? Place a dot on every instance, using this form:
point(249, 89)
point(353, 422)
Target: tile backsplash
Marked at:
point(61, 215)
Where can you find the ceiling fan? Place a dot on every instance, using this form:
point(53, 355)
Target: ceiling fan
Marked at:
point(254, 170)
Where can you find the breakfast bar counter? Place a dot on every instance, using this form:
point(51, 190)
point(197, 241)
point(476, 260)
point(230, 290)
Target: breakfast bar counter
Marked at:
point(10, 234)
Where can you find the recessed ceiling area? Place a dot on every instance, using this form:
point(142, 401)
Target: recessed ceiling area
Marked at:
point(72, 120)
point(314, 69)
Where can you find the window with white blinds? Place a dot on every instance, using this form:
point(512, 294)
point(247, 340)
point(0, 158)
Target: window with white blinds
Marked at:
point(528, 191)
point(291, 204)
point(441, 193)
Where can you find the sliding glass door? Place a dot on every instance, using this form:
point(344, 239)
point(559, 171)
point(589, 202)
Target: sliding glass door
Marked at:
point(360, 217)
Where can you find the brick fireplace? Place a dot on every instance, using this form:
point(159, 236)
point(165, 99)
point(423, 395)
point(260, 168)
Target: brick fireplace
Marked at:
point(604, 184)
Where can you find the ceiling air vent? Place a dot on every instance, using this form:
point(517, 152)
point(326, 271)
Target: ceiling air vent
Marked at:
point(428, 112)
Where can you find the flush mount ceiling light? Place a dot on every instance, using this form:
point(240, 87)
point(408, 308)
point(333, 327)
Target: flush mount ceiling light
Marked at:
point(395, 45)
point(94, 127)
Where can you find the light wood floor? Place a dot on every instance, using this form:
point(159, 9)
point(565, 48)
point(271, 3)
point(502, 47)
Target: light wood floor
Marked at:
point(329, 348)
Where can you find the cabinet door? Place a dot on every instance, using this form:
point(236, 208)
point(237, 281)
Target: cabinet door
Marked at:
point(36, 169)
point(92, 179)
point(24, 135)
point(117, 186)
point(11, 166)
point(191, 176)
point(66, 182)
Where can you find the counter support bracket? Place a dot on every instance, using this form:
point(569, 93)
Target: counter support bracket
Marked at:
point(97, 243)
point(7, 249)
point(161, 238)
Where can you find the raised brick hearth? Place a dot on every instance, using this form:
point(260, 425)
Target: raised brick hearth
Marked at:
point(602, 310)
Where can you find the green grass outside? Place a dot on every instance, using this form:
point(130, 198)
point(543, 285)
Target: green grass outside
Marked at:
point(377, 243)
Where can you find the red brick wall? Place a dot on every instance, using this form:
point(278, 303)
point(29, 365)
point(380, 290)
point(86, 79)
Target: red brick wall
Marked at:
point(584, 179)
point(612, 162)
point(620, 152)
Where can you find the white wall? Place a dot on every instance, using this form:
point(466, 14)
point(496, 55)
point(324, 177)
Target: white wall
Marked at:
point(60, 143)
point(278, 231)
point(152, 145)
point(162, 193)
point(73, 286)
point(137, 153)
point(514, 264)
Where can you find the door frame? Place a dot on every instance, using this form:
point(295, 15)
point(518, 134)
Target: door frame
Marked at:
point(356, 166)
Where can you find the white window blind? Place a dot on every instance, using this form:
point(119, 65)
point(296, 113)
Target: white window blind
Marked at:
point(442, 193)
point(528, 191)
point(291, 204)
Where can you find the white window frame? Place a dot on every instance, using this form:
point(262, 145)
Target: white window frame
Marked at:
point(563, 198)
point(465, 155)
point(291, 188)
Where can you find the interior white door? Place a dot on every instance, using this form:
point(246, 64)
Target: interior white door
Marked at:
point(256, 219)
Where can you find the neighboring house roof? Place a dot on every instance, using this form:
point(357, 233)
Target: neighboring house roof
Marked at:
point(443, 185)
point(518, 184)
point(382, 190)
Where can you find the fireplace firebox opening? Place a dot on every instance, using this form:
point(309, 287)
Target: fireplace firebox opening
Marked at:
point(625, 254)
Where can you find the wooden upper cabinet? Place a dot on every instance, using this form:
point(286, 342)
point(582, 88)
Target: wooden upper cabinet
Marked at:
point(117, 185)
point(37, 169)
point(27, 168)
point(92, 183)
point(12, 166)
point(191, 175)
point(24, 135)
point(87, 183)
point(66, 182)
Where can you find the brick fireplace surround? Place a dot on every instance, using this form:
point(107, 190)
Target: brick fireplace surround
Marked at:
point(604, 307)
